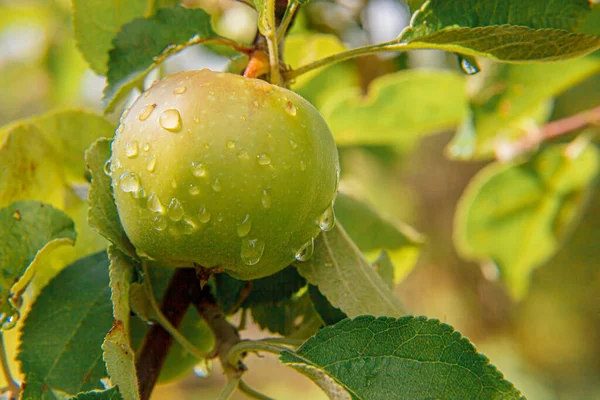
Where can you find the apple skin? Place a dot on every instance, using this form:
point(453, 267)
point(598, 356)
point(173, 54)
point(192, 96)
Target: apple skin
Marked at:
point(219, 170)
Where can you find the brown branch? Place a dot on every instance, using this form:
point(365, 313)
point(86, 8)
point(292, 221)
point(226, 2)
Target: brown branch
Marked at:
point(157, 341)
point(226, 335)
point(551, 130)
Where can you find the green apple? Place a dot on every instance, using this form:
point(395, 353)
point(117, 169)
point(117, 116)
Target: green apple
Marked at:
point(219, 170)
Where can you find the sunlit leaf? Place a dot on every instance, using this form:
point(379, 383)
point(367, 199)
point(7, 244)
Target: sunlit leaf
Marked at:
point(97, 22)
point(349, 282)
point(110, 394)
point(508, 105)
point(372, 233)
point(405, 358)
point(518, 215)
point(398, 109)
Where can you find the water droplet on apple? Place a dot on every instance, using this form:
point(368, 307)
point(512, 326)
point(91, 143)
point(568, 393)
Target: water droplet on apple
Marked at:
point(243, 155)
point(290, 108)
point(146, 111)
point(129, 182)
point(217, 185)
point(170, 120)
point(198, 169)
point(154, 204)
point(243, 228)
point(175, 211)
point(179, 90)
point(252, 251)
point(306, 251)
point(231, 144)
point(266, 199)
point(194, 190)
point(326, 221)
point(160, 222)
point(204, 215)
point(151, 165)
point(263, 159)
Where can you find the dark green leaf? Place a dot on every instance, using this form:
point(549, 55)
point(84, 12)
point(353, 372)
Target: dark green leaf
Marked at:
point(518, 215)
point(269, 290)
point(405, 358)
point(372, 233)
point(27, 229)
point(348, 281)
point(102, 215)
point(63, 332)
point(328, 313)
point(287, 317)
point(143, 43)
point(511, 30)
point(110, 394)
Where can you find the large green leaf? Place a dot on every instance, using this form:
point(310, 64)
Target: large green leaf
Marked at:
point(143, 43)
point(102, 214)
point(317, 86)
point(505, 107)
point(517, 215)
point(287, 317)
point(405, 358)
point(511, 30)
point(117, 351)
point(42, 155)
point(96, 23)
point(349, 282)
point(27, 229)
point(398, 108)
point(373, 233)
point(63, 332)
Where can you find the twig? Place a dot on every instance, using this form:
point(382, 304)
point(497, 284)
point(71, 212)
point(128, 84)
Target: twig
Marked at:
point(245, 346)
point(13, 387)
point(226, 335)
point(551, 130)
point(229, 388)
point(270, 34)
point(158, 341)
point(253, 394)
point(164, 321)
point(288, 17)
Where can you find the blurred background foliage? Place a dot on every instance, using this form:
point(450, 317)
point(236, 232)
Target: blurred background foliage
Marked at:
point(547, 341)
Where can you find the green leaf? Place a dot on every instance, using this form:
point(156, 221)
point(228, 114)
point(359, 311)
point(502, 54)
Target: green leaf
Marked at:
point(117, 351)
point(110, 394)
point(505, 108)
point(385, 268)
point(143, 43)
point(40, 157)
point(373, 233)
point(70, 133)
point(404, 358)
point(343, 275)
point(63, 332)
point(28, 229)
point(518, 215)
point(329, 314)
point(398, 109)
point(102, 215)
point(271, 289)
point(287, 317)
point(318, 85)
point(511, 31)
point(96, 22)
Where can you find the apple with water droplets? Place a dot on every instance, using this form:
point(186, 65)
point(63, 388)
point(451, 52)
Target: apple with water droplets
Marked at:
point(218, 170)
